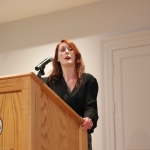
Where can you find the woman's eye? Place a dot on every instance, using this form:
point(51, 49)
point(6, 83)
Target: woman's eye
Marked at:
point(63, 50)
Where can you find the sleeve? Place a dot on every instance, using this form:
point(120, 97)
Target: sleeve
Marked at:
point(90, 103)
point(49, 83)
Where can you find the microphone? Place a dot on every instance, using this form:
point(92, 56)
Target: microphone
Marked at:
point(44, 63)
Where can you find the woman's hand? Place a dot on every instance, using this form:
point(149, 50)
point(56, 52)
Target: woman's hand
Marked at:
point(87, 124)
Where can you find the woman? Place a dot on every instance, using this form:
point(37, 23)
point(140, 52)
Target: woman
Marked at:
point(78, 89)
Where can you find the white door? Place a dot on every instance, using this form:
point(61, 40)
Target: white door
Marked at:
point(131, 85)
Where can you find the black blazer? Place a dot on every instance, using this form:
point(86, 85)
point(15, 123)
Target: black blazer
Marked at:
point(82, 99)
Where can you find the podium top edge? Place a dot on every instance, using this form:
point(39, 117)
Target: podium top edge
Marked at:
point(17, 75)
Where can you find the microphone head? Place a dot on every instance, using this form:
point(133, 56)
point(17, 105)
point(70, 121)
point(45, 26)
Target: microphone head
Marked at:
point(44, 63)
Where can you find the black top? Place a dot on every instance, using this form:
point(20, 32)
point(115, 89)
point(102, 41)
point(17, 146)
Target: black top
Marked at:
point(82, 99)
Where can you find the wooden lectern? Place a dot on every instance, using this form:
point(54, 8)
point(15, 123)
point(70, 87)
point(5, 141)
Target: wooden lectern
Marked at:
point(33, 117)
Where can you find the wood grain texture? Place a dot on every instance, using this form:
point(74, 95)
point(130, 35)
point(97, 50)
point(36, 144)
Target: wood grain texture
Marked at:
point(15, 112)
point(35, 118)
point(10, 85)
point(11, 115)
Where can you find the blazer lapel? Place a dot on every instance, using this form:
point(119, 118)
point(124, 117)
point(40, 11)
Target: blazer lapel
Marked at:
point(67, 97)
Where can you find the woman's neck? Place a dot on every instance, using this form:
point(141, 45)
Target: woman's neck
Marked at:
point(70, 77)
point(69, 73)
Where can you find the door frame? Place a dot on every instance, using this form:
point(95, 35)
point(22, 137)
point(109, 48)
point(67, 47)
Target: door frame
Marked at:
point(108, 106)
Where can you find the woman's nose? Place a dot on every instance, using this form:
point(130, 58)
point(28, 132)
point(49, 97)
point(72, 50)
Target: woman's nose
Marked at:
point(67, 51)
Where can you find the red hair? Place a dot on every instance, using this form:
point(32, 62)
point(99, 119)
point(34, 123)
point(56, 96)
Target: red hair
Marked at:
point(57, 70)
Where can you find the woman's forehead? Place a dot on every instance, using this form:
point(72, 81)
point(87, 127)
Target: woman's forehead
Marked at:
point(64, 44)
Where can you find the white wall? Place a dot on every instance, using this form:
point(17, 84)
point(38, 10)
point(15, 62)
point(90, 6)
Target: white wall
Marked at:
point(25, 43)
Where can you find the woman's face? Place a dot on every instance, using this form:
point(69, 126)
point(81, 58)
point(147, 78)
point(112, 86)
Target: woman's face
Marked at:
point(66, 55)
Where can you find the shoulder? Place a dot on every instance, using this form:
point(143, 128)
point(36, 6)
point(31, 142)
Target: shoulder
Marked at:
point(89, 79)
point(90, 83)
point(88, 76)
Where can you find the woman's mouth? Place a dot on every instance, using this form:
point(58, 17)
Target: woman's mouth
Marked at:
point(67, 57)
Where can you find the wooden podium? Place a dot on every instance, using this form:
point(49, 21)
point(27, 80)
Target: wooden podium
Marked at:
point(33, 117)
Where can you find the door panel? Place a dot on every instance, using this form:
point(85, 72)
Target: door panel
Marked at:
point(131, 83)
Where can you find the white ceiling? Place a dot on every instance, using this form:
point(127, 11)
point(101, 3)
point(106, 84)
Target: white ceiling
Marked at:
point(11, 10)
